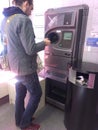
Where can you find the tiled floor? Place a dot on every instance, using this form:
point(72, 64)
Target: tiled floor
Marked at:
point(50, 118)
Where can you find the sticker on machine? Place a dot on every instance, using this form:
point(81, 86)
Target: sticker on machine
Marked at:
point(93, 42)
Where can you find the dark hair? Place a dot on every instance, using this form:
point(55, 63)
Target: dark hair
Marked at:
point(19, 2)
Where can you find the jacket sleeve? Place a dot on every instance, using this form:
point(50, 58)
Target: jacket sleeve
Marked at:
point(27, 38)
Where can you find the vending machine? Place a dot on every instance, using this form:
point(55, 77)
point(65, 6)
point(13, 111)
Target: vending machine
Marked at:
point(66, 28)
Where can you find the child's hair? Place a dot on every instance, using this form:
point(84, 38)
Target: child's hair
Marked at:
point(19, 2)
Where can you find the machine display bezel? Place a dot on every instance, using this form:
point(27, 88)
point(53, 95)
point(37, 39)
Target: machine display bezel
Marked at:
point(66, 40)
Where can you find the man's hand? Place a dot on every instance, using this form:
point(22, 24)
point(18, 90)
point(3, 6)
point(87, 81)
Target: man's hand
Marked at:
point(47, 41)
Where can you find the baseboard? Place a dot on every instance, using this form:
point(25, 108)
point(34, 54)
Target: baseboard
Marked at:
point(4, 100)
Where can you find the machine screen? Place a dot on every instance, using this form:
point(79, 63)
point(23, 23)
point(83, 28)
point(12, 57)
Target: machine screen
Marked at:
point(66, 41)
point(67, 36)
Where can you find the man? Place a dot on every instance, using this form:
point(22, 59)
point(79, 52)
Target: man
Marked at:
point(22, 53)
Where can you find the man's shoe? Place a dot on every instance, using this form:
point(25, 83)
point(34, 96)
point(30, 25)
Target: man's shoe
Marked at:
point(32, 127)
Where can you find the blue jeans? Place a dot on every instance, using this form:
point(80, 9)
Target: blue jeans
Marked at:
point(23, 116)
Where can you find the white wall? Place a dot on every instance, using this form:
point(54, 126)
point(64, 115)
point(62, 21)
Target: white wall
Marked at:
point(3, 4)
